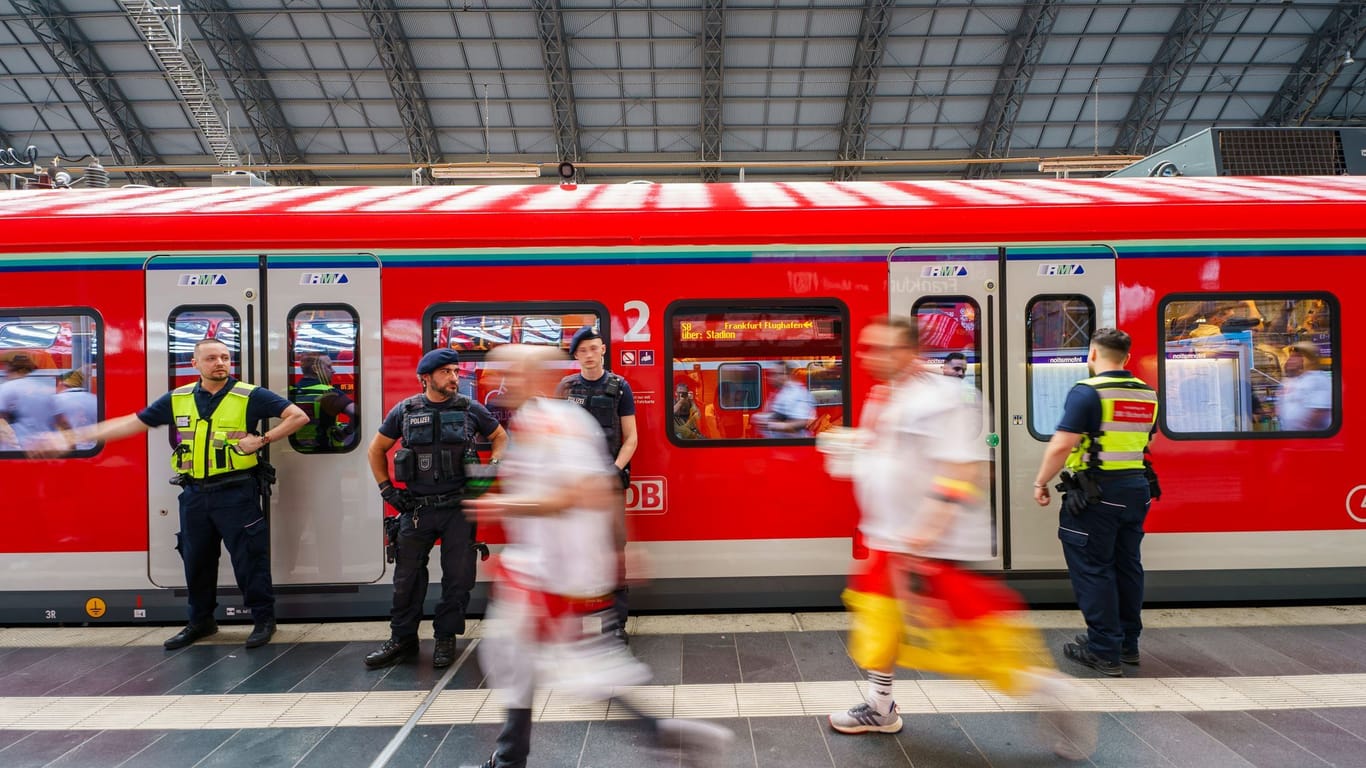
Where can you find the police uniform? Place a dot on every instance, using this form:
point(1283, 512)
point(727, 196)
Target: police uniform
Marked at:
point(1116, 413)
point(607, 398)
point(220, 498)
point(437, 437)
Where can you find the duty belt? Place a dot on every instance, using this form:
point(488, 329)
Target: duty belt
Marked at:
point(438, 499)
point(213, 483)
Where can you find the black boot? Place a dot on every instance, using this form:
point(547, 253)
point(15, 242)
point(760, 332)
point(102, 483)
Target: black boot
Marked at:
point(443, 654)
point(191, 633)
point(393, 651)
point(261, 633)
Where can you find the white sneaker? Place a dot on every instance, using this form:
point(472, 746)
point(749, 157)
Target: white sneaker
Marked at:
point(702, 743)
point(862, 718)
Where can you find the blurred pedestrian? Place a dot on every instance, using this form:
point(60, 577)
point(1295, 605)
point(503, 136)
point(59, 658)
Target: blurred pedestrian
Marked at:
point(559, 567)
point(1305, 402)
point(913, 600)
point(791, 409)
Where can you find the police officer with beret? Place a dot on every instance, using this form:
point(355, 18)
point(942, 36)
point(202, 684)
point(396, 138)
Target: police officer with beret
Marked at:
point(216, 464)
point(438, 429)
point(609, 399)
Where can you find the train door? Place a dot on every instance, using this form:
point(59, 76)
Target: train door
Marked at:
point(1054, 299)
point(954, 295)
point(308, 329)
point(1014, 324)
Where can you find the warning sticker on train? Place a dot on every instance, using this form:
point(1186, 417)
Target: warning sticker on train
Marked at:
point(95, 607)
point(628, 357)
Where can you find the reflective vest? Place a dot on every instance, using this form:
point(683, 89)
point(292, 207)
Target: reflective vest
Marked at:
point(439, 440)
point(1128, 411)
point(603, 406)
point(319, 432)
point(204, 446)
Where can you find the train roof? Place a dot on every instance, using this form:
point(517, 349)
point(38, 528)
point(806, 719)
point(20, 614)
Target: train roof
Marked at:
point(678, 214)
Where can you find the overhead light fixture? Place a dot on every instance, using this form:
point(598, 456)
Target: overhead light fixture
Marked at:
point(1347, 60)
point(486, 171)
point(1084, 164)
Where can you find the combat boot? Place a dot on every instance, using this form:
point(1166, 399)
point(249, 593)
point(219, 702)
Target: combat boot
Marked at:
point(393, 651)
point(443, 654)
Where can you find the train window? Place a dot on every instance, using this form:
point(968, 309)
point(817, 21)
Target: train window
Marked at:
point(51, 376)
point(324, 352)
point(773, 370)
point(1260, 365)
point(187, 326)
point(1058, 338)
point(948, 336)
point(474, 329)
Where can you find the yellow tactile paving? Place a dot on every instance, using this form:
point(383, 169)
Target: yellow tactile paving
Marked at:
point(299, 710)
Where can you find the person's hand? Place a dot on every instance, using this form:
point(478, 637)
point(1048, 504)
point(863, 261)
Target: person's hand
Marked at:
point(250, 444)
point(398, 498)
point(1041, 495)
point(493, 506)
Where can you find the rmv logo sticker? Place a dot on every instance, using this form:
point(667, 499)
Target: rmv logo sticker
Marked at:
point(208, 279)
point(1056, 270)
point(945, 270)
point(323, 278)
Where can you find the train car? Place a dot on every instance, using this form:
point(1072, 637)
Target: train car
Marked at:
point(726, 291)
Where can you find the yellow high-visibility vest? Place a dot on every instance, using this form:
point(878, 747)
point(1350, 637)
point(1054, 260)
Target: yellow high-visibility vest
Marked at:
point(1128, 411)
point(205, 446)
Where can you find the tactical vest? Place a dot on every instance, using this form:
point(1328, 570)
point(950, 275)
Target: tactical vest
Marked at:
point(603, 406)
point(1128, 411)
point(438, 441)
point(318, 432)
point(205, 446)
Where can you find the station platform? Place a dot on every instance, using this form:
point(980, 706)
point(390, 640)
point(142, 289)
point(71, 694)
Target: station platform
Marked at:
point(1274, 687)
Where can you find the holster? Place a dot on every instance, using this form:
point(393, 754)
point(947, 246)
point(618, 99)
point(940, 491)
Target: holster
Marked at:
point(1154, 488)
point(1079, 491)
point(265, 477)
point(391, 528)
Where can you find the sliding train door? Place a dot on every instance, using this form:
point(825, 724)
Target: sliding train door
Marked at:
point(308, 329)
point(1014, 324)
point(954, 294)
point(1055, 297)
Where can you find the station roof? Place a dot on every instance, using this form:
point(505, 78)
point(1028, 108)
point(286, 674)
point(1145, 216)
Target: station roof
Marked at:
point(360, 91)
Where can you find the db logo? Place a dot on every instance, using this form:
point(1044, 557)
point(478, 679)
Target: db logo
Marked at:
point(646, 495)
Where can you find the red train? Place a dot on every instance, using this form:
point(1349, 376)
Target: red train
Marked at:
point(712, 287)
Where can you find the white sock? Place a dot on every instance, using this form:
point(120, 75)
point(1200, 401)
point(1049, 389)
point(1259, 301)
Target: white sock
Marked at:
point(880, 691)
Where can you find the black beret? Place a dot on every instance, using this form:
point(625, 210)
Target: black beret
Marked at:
point(437, 358)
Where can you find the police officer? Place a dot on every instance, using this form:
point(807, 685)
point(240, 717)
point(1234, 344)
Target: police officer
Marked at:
point(217, 467)
point(437, 428)
point(608, 398)
point(1107, 422)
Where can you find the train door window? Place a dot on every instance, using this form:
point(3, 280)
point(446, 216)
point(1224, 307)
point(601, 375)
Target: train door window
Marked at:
point(760, 371)
point(474, 329)
point(188, 326)
point(949, 339)
point(51, 376)
point(324, 361)
point(1250, 365)
point(1058, 339)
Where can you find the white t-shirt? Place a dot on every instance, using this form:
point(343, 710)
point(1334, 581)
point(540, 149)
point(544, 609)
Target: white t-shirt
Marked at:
point(913, 425)
point(28, 402)
point(554, 444)
point(78, 408)
point(1301, 396)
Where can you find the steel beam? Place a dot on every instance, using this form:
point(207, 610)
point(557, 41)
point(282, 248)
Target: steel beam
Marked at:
point(1023, 50)
point(559, 78)
point(1324, 57)
point(381, 16)
point(129, 141)
point(858, 103)
point(1138, 131)
point(713, 75)
point(232, 48)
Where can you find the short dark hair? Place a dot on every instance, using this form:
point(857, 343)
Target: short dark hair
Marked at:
point(210, 340)
point(906, 330)
point(1112, 340)
point(950, 357)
